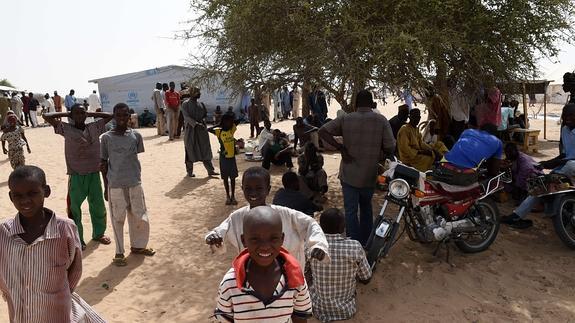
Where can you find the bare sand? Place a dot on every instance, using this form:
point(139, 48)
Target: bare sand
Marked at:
point(525, 275)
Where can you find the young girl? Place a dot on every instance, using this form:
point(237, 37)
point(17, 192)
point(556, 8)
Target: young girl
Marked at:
point(228, 167)
point(14, 134)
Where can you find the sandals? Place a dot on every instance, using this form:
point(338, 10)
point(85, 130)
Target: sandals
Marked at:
point(143, 251)
point(103, 240)
point(119, 261)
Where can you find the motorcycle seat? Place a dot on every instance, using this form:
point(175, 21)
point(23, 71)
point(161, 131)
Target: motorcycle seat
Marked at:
point(456, 192)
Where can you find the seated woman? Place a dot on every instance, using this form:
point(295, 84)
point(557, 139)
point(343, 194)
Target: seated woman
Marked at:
point(312, 177)
point(279, 151)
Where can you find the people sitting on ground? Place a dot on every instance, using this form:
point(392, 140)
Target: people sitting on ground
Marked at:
point(147, 119)
point(231, 110)
point(313, 178)
point(301, 231)
point(279, 151)
point(522, 167)
point(399, 120)
point(290, 196)
point(474, 147)
point(411, 148)
point(312, 120)
point(563, 164)
point(304, 133)
point(218, 115)
point(262, 287)
point(333, 291)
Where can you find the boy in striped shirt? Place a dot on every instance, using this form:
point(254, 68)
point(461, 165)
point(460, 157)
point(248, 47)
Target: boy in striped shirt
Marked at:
point(265, 283)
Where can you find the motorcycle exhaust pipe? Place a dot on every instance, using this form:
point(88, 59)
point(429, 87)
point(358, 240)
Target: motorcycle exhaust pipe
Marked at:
point(440, 231)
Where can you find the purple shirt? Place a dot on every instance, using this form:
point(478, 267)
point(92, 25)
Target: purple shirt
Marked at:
point(524, 168)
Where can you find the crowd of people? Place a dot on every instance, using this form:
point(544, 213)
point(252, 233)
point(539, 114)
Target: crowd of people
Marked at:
point(288, 265)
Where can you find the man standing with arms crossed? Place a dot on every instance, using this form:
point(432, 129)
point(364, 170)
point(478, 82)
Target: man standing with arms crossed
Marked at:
point(366, 135)
point(82, 151)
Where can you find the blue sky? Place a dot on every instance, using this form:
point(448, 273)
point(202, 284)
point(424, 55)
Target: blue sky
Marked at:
point(61, 44)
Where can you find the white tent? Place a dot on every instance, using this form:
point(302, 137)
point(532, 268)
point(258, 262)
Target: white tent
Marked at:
point(135, 89)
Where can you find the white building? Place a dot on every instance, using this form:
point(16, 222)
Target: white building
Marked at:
point(135, 89)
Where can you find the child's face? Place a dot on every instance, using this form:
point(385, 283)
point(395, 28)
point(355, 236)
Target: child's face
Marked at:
point(122, 116)
point(263, 239)
point(255, 189)
point(28, 196)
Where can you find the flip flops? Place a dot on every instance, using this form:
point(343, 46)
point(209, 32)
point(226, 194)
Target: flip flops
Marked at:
point(143, 251)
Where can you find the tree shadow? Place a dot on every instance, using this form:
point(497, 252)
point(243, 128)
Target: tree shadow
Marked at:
point(94, 289)
point(2, 184)
point(185, 186)
point(2, 162)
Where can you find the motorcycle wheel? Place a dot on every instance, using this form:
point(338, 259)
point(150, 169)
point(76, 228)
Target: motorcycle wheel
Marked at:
point(564, 220)
point(380, 246)
point(490, 217)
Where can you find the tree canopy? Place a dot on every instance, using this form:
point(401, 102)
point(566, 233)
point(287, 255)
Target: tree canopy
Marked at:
point(345, 45)
point(5, 82)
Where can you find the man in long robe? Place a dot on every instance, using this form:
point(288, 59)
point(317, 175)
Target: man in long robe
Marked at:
point(196, 138)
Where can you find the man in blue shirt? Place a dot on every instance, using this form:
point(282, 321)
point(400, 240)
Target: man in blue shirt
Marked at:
point(562, 164)
point(69, 101)
point(473, 147)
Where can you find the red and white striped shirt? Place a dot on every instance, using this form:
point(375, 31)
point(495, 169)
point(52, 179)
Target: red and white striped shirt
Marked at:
point(37, 279)
point(237, 301)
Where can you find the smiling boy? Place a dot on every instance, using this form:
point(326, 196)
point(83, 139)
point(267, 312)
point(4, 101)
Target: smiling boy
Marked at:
point(301, 231)
point(265, 283)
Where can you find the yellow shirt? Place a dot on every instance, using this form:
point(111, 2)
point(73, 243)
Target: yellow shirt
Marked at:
point(409, 144)
point(227, 142)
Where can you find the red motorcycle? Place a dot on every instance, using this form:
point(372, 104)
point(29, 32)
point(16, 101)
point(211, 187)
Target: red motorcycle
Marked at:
point(436, 212)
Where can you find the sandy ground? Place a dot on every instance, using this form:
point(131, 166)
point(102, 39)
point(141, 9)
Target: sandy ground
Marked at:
point(524, 276)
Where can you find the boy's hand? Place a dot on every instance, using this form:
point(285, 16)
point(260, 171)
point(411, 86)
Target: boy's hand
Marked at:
point(214, 239)
point(317, 254)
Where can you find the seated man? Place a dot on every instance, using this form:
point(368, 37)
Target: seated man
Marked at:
point(313, 178)
point(473, 147)
point(279, 151)
point(522, 168)
point(147, 119)
point(411, 148)
point(304, 133)
point(399, 120)
point(431, 138)
point(265, 137)
point(334, 283)
point(562, 164)
point(290, 196)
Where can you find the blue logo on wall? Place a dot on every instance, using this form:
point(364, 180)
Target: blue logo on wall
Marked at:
point(133, 100)
point(132, 96)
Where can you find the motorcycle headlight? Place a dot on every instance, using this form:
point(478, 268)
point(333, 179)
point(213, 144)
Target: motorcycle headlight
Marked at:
point(399, 188)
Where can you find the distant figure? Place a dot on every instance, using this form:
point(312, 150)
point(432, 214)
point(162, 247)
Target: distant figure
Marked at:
point(48, 104)
point(26, 112)
point(532, 99)
point(160, 108)
point(290, 196)
point(285, 103)
point(4, 106)
point(218, 115)
point(57, 102)
point(400, 119)
point(333, 291)
point(70, 100)
point(134, 122)
point(172, 110)
point(17, 105)
point(304, 133)
point(147, 119)
point(196, 139)
point(33, 105)
point(254, 114)
point(94, 102)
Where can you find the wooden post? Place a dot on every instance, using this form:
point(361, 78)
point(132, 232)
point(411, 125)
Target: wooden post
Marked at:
point(525, 115)
point(545, 112)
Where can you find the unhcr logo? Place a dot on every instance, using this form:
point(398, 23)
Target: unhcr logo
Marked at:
point(132, 98)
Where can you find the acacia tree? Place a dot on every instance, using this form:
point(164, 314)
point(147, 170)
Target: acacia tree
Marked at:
point(345, 45)
point(5, 82)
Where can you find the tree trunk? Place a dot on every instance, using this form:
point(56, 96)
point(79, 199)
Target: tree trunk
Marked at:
point(305, 92)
